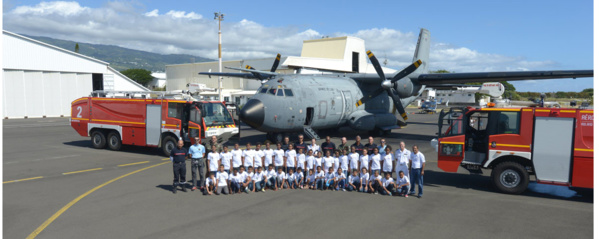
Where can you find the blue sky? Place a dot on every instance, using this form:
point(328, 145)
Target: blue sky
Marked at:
point(467, 35)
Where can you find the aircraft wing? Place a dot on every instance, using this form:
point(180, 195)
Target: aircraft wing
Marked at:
point(457, 78)
point(365, 78)
point(230, 74)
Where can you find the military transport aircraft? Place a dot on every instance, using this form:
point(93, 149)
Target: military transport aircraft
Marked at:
point(293, 103)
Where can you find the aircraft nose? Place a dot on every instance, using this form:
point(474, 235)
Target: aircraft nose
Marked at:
point(253, 113)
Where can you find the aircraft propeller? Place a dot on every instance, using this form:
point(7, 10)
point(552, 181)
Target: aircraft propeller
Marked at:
point(388, 85)
point(274, 67)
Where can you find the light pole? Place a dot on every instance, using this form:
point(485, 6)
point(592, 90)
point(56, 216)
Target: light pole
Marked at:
point(220, 17)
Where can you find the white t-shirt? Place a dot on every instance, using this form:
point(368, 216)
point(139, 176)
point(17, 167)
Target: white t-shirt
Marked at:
point(291, 157)
point(402, 181)
point(353, 161)
point(320, 174)
point(258, 176)
point(310, 162)
point(417, 160)
point(290, 176)
point(315, 148)
point(281, 176)
point(376, 162)
point(339, 176)
point(298, 175)
point(330, 176)
point(209, 181)
point(343, 162)
point(386, 181)
point(225, 159)
point(374, 178)
point(328, 163)
point(352, 179)
point(270, 174)
point(388, 163)
point(402, 159)
point(248, 157)
point(364, 159)
point(317, 162)
point(279, 154)
point(364, 177)
point(222, 178)
point(243, 176)
point(268, 153)
point(213, 161)
point(258, 158)
point(236, 157)
point(312, 177)
point(234, 178)
point(335, 163)
point(301, 159)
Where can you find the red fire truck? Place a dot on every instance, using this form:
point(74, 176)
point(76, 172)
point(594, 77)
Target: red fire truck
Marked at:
point(152, 118)
point(555, 145)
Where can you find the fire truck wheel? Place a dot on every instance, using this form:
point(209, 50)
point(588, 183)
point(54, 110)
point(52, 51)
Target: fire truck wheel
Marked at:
point(510, 177)
point(114, 141)
point(98, 140)
point(168, 144)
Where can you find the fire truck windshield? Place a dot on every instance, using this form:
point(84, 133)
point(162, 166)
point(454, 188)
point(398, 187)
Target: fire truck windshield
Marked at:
point(216, 114)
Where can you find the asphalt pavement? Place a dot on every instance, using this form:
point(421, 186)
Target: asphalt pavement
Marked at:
point(57, 184)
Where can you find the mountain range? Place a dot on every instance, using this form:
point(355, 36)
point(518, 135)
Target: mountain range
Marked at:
point(121, 58)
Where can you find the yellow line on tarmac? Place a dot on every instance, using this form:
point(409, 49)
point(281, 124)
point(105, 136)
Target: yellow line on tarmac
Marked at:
point(71, 203)
point(20, 180)
point(82, 171)
point(165, 159)
point(133, 163)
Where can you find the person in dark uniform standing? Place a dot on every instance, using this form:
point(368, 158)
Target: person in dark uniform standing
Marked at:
point(285, 144)
point(178, 156)
point(359, 146)
point(300, 144)
point(328, 146)
point(370, 145)
point(343, 145)
point(214, 142)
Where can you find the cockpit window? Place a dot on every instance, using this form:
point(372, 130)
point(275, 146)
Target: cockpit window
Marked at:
point(263, 90)
point(272, 91)
point(288, 92)
point(280, 92)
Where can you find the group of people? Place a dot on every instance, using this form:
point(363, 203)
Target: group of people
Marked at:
point(364, 168)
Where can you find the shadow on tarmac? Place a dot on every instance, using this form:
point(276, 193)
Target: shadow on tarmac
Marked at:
point(124, 148)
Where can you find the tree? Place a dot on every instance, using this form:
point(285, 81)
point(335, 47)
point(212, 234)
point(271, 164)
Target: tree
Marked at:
point(140, 76)
point(77, 47)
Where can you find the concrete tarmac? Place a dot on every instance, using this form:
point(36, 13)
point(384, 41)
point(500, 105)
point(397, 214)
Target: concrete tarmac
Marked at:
point(141, 205)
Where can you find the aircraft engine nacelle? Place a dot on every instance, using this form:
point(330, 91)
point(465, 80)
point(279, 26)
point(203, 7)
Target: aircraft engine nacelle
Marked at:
point(362, 120)
point(406, 88)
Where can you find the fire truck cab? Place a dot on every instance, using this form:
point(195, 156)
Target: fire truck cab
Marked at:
point(555, 145)
point(152, 119)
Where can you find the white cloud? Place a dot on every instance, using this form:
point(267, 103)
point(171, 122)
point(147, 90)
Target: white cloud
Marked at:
point(128, 25)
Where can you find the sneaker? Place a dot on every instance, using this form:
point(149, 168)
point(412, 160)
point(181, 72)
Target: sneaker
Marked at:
point(419, 196)
point(344, 190)
point(194, 188)
point(174, 189)
point(216, 193)
point(247, 190)
point(263, 190)
point(183, 189)
point(406, 195)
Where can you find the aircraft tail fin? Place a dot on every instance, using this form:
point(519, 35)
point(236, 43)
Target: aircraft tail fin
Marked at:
point(422, 50)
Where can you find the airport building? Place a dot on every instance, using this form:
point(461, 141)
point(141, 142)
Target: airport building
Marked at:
point(41, 80)
point(327, 55)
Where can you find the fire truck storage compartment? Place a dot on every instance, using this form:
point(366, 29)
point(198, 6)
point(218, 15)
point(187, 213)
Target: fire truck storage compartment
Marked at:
point(552, 148)
point(153, 122)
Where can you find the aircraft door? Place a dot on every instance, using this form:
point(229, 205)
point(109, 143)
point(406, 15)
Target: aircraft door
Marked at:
point(348, 103)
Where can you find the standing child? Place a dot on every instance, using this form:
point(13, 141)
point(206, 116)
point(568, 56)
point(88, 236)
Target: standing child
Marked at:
point(330, 177)
point(268, 155)
point(336, 160)
point(225, 159)
point(290, 158)
point(328, 161)
point(388, 160)
point(319, 178)
point(364, 160)
point(213, 158)
point(375, 182)
point(259, 156)
point(318, 160)
point(344, 162)
point(353, 181)
point(236, 159)
point(403, 184)
point(364, 178)
point(375, 161)
point(388, 186)
point(311, 179)
point(279, 157)
point(354, 159)
point(271, 178)
point(301, 162)
point(281, 178)
point(248, 156)
point(309, 163)
point(340, 180)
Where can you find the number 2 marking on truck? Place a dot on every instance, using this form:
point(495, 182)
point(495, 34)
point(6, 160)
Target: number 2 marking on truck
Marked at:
point(80, 109)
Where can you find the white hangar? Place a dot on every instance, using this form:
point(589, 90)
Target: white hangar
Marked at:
point(41, 80)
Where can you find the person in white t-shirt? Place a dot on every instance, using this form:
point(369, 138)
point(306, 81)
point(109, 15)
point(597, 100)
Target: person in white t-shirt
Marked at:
point(354, 159)
point(344, 162)
point(259, 156)
point(268, 155)
point(290, 183)
point(301, 162)
point(353, 181)
point(365, 160)
point(375, 161)
point(258, 180)
point(222, 181)
point(403, 184)
point(387, 184)
point(336, 163)
point(310, 179)
point(245, 180)
point(330, 177)
point(402, 159)
point(279, 158)
point(281, 178)
point(314, 147)
point(236, 159)
point(340, 180)
point(320, 178)
point(374, 183)
point(210, 184)
point(298, 178)
point(388, 160)
point(226, 158)
point(364, 178)
point(417, 174)
point(318, 160)
point(248, 156)
point(328, 161)
point(290, 158)
point(310, 159)
point(235, 182)
point(213, 160)
point(271, 178)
